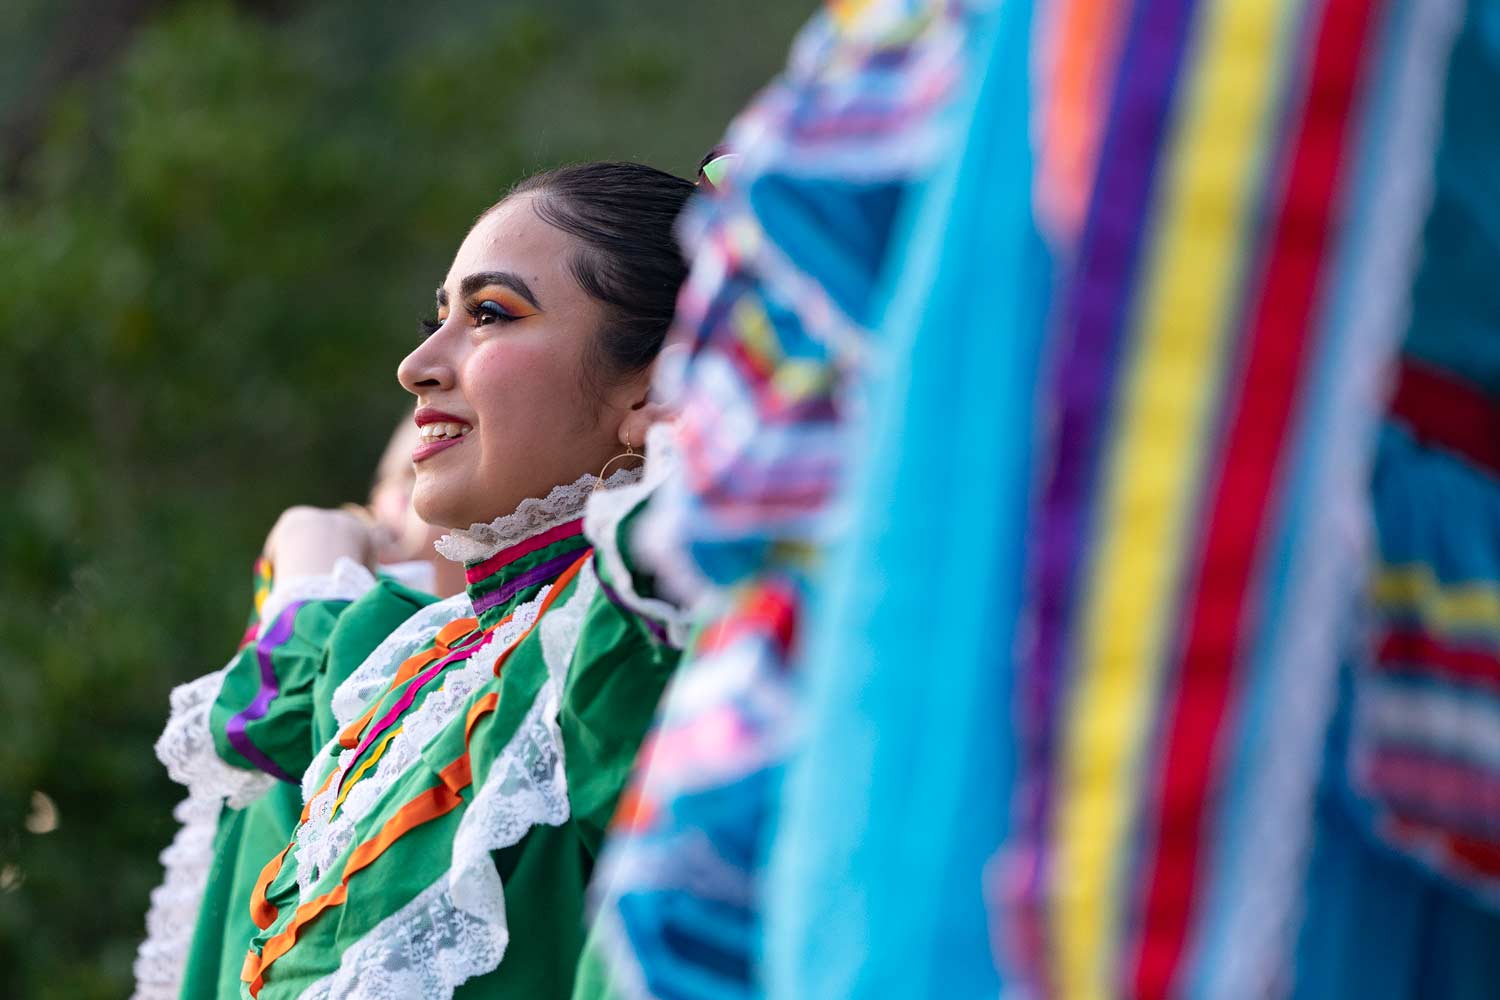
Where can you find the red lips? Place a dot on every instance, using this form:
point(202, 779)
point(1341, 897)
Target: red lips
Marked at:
point(427, 415)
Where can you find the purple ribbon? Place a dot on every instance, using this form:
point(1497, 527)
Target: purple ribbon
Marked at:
point(537, 574)
point(277, 635)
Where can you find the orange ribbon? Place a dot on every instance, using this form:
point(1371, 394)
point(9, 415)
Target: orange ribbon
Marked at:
point(435, 802)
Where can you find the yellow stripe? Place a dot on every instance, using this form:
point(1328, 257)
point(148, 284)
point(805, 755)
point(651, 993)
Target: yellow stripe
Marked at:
point(1459, 610)
point(1182, 331)
point(360, 773)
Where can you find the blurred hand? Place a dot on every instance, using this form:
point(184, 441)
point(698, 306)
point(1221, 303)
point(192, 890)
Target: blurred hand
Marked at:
point(309, 540)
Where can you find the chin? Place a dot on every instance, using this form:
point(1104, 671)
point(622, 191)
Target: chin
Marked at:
point(437, 508)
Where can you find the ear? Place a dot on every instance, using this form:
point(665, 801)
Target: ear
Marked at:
point(641, 410)
point(638, 420)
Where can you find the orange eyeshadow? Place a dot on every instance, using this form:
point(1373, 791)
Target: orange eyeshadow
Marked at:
point(506, 299)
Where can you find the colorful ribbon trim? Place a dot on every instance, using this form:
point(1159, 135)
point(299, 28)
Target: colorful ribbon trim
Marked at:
point(409, 695)
point(441, 644)
point(538, 574)
point(479, 572)
point(435, 802)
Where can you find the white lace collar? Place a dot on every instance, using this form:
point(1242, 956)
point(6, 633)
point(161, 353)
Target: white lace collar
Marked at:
point(565, 503)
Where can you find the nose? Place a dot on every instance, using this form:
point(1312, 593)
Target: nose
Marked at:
point(426, 369)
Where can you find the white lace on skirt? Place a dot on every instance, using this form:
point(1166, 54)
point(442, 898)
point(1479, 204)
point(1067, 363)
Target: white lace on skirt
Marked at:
point(456, 929)
point(186, 747)
point(173, 915)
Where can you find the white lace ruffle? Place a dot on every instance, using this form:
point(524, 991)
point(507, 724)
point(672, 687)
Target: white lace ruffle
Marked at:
point(456, 929)
point(173, 915)
point(323, 839)
point(609, 506)
point(425, 949)
point(187, 748)
point(186, 745)
point(480, 541)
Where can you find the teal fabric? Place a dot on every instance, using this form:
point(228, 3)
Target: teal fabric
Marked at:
point(1381, 923)
point(1455, 302)
point(877, 874)
point(1377, 924)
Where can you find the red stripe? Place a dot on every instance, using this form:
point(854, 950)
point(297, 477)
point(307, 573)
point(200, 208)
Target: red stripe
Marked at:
point(505, 557)
point(1261, 415)
point(1404, 652)
point(769, 609)
point(1473, 854)
point(1412, 780)
point(1448, 412)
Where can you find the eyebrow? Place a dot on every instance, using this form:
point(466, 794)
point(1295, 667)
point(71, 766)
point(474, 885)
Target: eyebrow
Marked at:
point(484, 279)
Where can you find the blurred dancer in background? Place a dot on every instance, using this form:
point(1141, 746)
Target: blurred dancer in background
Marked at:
point(1126, 343)
point(199, 924)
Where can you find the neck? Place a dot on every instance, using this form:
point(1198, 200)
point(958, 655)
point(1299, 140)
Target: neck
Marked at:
point(509, 560)
point(447, 577)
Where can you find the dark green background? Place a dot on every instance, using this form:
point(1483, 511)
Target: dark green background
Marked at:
point(219, 223)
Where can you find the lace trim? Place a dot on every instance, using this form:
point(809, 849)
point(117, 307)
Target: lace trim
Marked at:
point(187, 748)
point(609, 507)
point(323, 839)
point(173, 916)
point(480, 541)
point(456, 929)
point(425, 949)
point(186, 745)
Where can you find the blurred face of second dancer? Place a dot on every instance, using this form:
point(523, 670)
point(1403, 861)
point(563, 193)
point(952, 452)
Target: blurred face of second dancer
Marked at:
point(400, 534)
point(500, 381)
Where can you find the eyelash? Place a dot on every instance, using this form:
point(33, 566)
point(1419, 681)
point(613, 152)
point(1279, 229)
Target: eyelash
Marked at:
point(483, 314)
point(492, 311)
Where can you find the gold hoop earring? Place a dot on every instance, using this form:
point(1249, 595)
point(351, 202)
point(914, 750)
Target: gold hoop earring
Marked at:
point(628, 453)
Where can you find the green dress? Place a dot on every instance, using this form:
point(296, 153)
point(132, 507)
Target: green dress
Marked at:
point(452, 825)
point(240, 739)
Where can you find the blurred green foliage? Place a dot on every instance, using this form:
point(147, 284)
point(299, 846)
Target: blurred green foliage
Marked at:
point(214, 247)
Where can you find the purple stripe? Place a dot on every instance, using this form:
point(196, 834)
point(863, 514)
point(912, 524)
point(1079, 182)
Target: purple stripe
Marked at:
point(537, 574)
point(655, 627)
point(1085, 378)
point(277, 635)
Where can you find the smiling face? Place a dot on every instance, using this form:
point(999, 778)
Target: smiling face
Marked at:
point(499, 381)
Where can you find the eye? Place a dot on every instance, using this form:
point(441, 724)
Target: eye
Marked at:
point(428, 327)
point(488, 312)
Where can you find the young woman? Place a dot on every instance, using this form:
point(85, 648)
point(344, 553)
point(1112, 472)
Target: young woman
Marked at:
point(450, 826)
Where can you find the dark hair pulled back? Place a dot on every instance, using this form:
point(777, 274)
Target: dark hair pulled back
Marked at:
point(624, 216)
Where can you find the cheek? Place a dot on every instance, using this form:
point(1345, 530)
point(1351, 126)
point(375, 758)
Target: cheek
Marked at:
point(520, 386)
